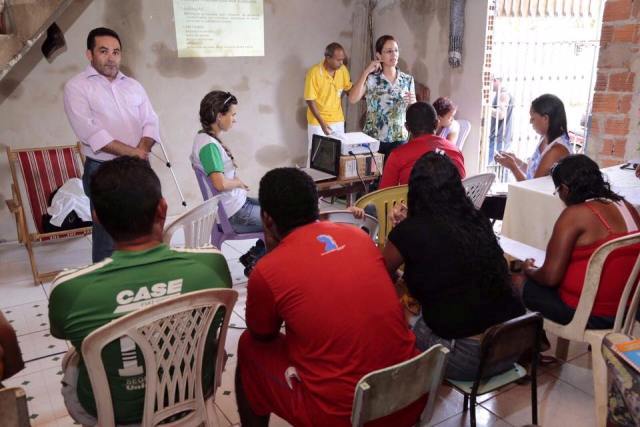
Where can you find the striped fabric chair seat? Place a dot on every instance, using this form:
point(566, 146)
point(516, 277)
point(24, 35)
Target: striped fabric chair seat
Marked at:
point(36, 173)
point(44, 171)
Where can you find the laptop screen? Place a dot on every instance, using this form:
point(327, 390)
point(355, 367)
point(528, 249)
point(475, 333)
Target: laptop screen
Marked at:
point(325, 154)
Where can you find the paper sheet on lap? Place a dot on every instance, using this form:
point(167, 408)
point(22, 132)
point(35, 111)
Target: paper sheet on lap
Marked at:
point(521, 251)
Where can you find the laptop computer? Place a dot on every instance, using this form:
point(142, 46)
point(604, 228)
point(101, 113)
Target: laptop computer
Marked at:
point(325, 158)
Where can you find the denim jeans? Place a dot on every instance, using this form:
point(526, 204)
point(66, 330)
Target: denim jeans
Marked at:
point(247, 219)
point(102, 246)
point(464, 356)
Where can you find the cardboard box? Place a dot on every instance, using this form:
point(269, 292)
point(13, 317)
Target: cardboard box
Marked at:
point(367, 166)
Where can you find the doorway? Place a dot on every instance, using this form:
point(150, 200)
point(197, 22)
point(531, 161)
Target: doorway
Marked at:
point(536, 47)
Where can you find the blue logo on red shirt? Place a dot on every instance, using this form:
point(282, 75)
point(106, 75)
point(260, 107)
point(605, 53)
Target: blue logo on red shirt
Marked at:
point(330, 244)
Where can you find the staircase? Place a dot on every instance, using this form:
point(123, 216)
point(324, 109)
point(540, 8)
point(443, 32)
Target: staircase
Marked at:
point(27, 21)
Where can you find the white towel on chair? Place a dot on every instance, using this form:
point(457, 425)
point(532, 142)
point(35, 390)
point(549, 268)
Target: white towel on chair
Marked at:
point(69, 197)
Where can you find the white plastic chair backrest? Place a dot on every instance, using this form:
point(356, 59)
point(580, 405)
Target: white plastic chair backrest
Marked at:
point(477, 187)
point(578, 324)
point(368, 224)
point(465, 128)
point(629, 313)
point(171, 336)
point(388, 390)
point(196, 224)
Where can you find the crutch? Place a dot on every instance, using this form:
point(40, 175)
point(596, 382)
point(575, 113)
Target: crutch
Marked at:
point(168, 165)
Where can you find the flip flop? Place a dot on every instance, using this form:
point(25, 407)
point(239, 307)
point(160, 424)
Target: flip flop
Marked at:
point(546, 360)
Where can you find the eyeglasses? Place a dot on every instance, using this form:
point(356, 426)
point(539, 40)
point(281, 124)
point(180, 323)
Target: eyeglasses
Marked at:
point(389, 51)
point(557, 190)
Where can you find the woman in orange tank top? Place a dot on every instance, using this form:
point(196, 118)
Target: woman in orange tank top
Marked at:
point(593, 216)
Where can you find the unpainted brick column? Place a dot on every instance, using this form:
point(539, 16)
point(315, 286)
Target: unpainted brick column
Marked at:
point(615, 134)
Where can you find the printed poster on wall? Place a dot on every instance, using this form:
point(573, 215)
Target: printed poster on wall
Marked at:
point(207, 28)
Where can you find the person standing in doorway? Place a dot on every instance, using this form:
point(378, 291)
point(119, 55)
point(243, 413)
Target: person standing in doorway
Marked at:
point(501, 117)
point(110, 114)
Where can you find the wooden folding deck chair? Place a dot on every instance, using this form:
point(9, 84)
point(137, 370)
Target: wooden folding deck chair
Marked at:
point(36, 173)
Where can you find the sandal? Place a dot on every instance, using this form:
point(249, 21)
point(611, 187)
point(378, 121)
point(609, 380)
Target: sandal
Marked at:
point(547, 360)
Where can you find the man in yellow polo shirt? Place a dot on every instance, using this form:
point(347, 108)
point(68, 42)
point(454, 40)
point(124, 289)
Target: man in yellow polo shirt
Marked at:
point(324, 86)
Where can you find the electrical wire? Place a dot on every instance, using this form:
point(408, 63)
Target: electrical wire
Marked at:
point(358, 170)
point(373, 157)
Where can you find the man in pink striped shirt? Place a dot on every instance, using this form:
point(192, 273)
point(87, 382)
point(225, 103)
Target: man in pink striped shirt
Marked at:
point(110, 114)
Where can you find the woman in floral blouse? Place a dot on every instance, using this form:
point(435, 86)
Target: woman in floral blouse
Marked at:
point(388, 92)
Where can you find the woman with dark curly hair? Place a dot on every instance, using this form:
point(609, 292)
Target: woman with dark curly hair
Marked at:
point(593, 216)
point(213, 157)
point(549, 120)
point(453, 266)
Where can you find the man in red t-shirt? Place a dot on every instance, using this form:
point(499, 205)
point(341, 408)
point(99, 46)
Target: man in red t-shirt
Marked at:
point(422, 121)
point(328, 285)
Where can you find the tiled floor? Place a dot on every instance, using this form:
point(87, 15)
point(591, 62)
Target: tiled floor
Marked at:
point(565, 392)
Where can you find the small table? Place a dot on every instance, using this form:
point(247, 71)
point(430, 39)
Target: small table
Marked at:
point(623, 385)
point(345, 187)
point(532, 209)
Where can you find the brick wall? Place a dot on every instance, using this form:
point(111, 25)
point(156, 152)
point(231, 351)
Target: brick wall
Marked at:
point(615, 133)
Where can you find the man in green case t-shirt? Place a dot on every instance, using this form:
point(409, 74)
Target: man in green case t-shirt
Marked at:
point(127, 201)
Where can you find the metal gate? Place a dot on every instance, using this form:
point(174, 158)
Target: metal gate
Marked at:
point(535, 54)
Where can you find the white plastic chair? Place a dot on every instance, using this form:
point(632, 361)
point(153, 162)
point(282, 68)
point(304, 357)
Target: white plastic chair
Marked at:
point(465, 128)
point(576, 330)
point(196, 224)
point(368, 224)
point(223, 230)
point(477, 187)
point(171, 336)
point(388, 390)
